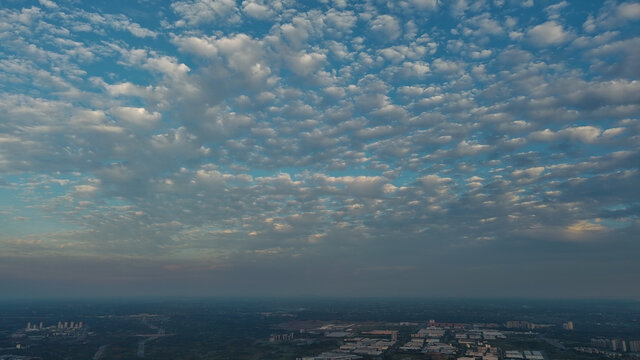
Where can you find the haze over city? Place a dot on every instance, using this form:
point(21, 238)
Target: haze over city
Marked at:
point(431, 148)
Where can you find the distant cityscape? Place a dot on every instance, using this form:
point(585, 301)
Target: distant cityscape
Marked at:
point(61, 325)
point(321, 330)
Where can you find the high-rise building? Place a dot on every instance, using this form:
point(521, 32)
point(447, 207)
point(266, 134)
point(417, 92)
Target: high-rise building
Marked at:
point(634, 345)
point(29, 325)
point(618, 345)
point(600, 343)
point(520, 325)
point(568, 325)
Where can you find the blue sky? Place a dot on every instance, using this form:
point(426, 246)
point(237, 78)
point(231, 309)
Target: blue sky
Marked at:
point(415, 148)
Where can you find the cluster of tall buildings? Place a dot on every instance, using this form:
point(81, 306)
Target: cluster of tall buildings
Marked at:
point(34, 326)
point(522, 355)
point(520, 325)
point(366, 346)
point(392, 333)
point(61, 325)
point(72, 325)
point(281, 337)
point(568, 325)
point(618, 345)
point(527, 325)
point(434, 342)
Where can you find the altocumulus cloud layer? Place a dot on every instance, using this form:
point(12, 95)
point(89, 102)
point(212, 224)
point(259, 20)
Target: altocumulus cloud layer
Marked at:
point(417, 147)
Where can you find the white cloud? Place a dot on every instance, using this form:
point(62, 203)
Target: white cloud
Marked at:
point(385, 27)
point(547, 34)
point(470, 148)
point(613, 15)
point(138, 30)
point(530, 172)
point(359, 185)
point(583, 226)
point(629, 11)
point(585, 134)
point(343, 123)
point(484, 24)
point(448, 66)
point(339, 23)
point(606, 92)
point(136, 116)
point(590, 24)
point(150, 93)
point(118, 22)
point(458, 7)
point(435, 184)
point(256, 10)
point(48, 3)
point(195, 12)
point(424, 4)
point(163, 64)
point(85, 190)
point(304, 63)
point(553, 11)
point(201, 46)
point(483, 54)
point(167, 65)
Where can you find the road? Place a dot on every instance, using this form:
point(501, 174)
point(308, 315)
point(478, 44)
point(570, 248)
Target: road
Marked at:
point(100, 353)
point(555, 343)
point(142, 343)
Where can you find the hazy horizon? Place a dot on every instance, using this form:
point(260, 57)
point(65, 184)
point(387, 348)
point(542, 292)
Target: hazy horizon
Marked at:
point(310, 299)
point(481, 149)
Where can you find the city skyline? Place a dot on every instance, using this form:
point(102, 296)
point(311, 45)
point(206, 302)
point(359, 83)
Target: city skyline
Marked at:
point(459, 148)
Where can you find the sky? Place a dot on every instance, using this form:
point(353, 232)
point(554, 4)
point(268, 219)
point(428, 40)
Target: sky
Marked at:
point(434, 148)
